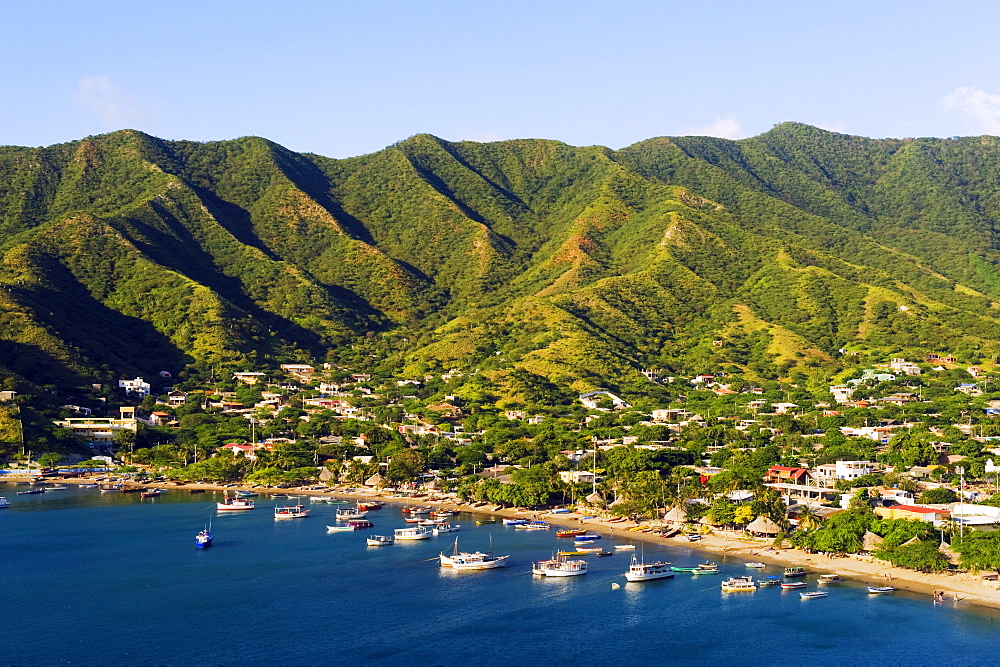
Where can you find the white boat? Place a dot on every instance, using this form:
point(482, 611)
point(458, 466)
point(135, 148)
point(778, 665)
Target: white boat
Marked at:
point(738, 584)
point(560, 566)
point(379, 540)
point(234, 504)
point(290, 512)
point(624, 547)
point(463, 560)
point(813, 594)
point(4, 502)
point(413, 533)
point(445, 527)
point(350, 513)
point(828, 578)
point(642, 571)
point(881, 589)
point(757, 565)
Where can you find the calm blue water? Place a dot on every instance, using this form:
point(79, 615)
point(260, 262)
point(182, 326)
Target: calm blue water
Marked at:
point(112, 579)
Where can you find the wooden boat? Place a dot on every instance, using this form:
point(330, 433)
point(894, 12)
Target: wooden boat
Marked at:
point(234, 504)
point(464, 561)
point(641, 571)
point(560, 566)
point(483, 522)
point(739, 584)
point(570, 533)
point(379, 540)
point(534, 525)
point(571, 553)
point(605, 553)
point(590, 550)
point(131, 488)
point(585, 538)
point(813, 594)
point(414, 533)
point(359, 524)
point(507, 522)
point(32, 492)
point(370, 506)
point(350, 514)
point(793, 584)
point(152, 493)
point(290, 512)
point(445, 527)
point(795, 572)
point(880, 589)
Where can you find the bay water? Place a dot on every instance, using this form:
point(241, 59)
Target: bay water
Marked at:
point(91, 578)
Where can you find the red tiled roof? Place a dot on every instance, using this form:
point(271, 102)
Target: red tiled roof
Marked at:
point(919, 510)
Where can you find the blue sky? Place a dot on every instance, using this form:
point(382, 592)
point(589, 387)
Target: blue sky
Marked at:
point(346, 78)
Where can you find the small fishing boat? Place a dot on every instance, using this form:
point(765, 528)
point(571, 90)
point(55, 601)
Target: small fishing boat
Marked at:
point(445, 527)
point(441, 514)
point(756, 564)
point(203, 539)
point(560, 566)
point(642, 571)
point(793, 584)
point(624, 547)
point(770, 581)
point(615, 586)
point(739, 584)
point(534, 525)
point(483, 522)
point(791, 572)
point(507, 522)
point(33, 492)
point(414, 533)
point(685, 569)
point(358, 524)
point(586, 537)
point(351, 513)
point(813, 594)
point(246, 494)
point(152, 493)
point(4, 502)
point(693, 538)
point(369, 506)
point(605, 553)
point(698, 571)
point(575, 552)
point(589, 550)
point(570, 533)
point(189, 490)
point(379, 540)
point(880, 589)
point(290, 512)
point(828, 578)
point(234, 504)
point(87, 486)
point(462, 561)
point(708, 567)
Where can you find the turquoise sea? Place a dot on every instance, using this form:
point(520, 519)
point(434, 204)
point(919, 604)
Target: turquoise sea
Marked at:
point(113, 579)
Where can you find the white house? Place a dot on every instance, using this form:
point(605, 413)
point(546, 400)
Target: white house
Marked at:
point(138, 386)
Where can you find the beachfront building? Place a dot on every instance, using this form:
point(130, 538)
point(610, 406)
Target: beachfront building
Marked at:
point(912, 513)
point(100, 431)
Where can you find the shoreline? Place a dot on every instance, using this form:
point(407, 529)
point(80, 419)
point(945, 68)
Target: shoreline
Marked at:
point(962, 588)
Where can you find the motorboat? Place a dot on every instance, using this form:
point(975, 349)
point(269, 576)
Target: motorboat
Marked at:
point(624, 547)
point(757, 564)
point(508, 522)
point(642, 571)
point(793, 584)
point(350, 513)
point(4, 502)
point(533, 525)
point(152, 493)
point(770, 581)
point(368, 506)
point(791, 572)
point(570, 533)
point(880, 589)
point(290, 512)
point(589, 550)
point(463, 560)
point(445, 527)
point(685, 569)
point(413, 533)
point(32, 492)
point(560, 566)
point(379, 540)
point(203, 539)
point(586, 537)
point(813, 594)
point(828, 578)
point(739, 584)
point(358, 524)
point(234, 504)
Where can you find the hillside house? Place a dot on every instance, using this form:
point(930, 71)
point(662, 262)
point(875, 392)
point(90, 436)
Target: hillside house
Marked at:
point(138, 387)
point(912, 513)
point(248, 377)
point(788, 475)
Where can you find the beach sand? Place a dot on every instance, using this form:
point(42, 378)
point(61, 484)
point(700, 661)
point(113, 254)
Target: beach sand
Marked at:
point(959, 587)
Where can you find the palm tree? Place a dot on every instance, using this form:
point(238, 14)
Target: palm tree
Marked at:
point(808, 519)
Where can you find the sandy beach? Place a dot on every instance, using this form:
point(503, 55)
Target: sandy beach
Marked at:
point(959, 587)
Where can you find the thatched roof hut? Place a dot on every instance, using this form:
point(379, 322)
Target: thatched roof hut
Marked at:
point(595, 499)
point(375, 480)
point(871, 541)
point(676, 515)
point(763, 526)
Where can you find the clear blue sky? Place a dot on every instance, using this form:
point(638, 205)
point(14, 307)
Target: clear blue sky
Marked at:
point(346, 78)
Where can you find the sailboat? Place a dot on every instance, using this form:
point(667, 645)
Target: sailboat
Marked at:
point(473, 561)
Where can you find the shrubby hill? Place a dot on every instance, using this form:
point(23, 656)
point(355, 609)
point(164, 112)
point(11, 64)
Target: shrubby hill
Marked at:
point(533, 260)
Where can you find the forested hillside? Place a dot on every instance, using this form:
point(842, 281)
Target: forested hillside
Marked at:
point(533, 260)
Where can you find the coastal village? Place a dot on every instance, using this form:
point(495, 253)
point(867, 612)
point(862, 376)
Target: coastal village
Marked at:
point(894, 465)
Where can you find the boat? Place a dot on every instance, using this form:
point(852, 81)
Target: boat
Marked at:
point(587, 537)
point(590, 550)
point(795, 572)
point(828, 578)
point(473, 561)
point(642, 571)
point(575, 552)
point(708, 567)
point(813, 594)
point(534, 525)
point(234, 504)
point(508, 522)
point(358, 524)
point(693, 538)
point(770, 581)
point(685, 569)
point(560, 566)
point(32, 492)
point(441, 514)
point(87, 486)
point(624, 547)
point(483, 522)
point(414, 533)
point(757, 564)
point(445, 527)
point(4, 502)
point(793, 584)
point(739, 584)
point(367, 506)
point(131, 488)
point(152, 493)
point(615, 586)
point(603, 552)
point(379, 540)
point(570, 533)
point(203, 539)
point(881, 589)
point(289, 511)
point(246, 494)
point(698, 571)
point(350, 513)
point(189, 490)
point(342, 528)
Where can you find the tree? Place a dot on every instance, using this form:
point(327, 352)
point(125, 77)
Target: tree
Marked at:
point(743, 515)
point(49, 459)
point(808, 519)
point(922, 556)
point(940, 496)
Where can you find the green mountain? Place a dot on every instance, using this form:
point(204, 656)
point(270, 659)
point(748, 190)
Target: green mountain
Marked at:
point(537, 261)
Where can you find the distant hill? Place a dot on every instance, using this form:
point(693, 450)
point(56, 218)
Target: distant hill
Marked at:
point(127, 254)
